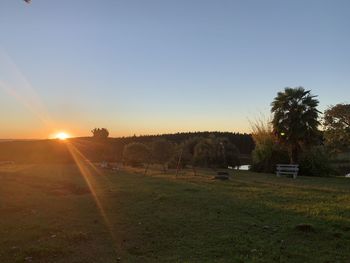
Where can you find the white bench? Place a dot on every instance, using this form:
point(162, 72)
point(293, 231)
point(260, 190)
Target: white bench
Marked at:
point(287, 169)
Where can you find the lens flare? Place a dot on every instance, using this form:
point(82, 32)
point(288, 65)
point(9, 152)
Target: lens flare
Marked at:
point(62, 136)
point(89, 173)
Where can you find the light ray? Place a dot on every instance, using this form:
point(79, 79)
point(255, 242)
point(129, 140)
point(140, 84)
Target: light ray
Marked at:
point(80, 161)
point(16, 85)
point(87, 161)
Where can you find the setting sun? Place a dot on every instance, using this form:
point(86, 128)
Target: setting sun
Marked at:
point(62, 136)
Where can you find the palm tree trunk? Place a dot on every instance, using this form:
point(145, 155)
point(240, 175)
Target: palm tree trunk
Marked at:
point(294, 154)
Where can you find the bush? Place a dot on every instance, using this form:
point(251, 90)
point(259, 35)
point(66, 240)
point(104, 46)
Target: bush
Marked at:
point(342, 169)
point(266, 156)
point(315, 162)
point(341, 163)
point(267, 152)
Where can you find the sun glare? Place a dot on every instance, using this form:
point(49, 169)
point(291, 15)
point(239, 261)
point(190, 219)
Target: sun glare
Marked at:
point(62, 136)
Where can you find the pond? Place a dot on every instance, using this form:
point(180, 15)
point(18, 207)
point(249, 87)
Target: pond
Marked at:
point(244, 167)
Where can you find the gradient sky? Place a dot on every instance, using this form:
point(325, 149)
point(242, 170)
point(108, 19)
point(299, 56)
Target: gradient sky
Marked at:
point(159, 66)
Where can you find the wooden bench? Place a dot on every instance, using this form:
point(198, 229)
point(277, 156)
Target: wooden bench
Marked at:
point(287, 169)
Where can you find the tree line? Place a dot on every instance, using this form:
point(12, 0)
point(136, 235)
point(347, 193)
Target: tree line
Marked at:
point(213, 152)
point(100, 147)
point(114, 147)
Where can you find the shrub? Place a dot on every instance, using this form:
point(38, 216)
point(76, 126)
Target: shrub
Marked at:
point(341, 163)
point(342, 169)
point(266, 156)
point(315, 162)
point(267, 152)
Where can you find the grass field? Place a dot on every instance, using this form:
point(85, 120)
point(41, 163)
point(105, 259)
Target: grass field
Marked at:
point(51, 213)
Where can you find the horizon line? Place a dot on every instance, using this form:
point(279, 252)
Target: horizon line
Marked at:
point(127, 136)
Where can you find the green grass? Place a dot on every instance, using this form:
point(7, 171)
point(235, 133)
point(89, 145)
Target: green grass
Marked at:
point(48, 214)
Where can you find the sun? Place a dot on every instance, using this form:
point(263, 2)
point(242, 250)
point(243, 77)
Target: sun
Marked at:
point(62, 136)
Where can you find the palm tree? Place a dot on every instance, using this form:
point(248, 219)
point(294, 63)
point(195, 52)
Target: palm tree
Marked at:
point(295, 119)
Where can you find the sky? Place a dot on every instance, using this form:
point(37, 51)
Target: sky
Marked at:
point(163, 66)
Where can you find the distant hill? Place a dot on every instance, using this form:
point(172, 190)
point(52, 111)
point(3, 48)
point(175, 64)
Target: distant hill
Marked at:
point(38, 151)
point(11, 140)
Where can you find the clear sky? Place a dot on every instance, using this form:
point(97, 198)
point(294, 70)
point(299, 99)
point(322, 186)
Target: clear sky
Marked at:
point(159, 66)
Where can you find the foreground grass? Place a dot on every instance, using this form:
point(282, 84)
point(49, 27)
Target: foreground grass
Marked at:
point(49, 213)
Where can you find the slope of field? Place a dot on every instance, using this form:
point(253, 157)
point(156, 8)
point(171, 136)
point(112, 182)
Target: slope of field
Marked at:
point(66, 213)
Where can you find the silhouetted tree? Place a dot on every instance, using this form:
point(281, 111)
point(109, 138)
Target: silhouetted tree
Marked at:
point(243, 141)
point(184, 154)
point(337, 127)
point(230, 154)
point(295, 119)
point(162, 152)
point(216, 152)
point(100, 133)
point(204, 153)
point(136, 153)
point(187, 151)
